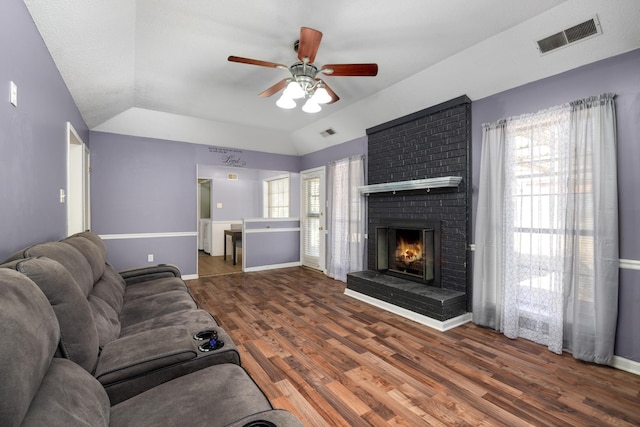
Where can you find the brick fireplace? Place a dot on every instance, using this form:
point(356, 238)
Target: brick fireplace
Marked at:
point(432, 143)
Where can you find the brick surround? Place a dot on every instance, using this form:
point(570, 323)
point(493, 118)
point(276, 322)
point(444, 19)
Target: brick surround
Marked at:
point(434, 142)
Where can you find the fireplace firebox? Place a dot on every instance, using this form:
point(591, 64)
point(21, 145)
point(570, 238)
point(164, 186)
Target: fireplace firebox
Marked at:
point(410, 251)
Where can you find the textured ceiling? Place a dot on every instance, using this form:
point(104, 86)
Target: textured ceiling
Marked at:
point(159, 68)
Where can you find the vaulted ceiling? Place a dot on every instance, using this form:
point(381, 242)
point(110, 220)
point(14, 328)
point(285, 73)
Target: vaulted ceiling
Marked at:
point(158, 68)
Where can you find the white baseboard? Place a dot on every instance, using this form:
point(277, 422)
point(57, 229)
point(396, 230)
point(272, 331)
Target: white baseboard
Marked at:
point(273, 266)
point(189, 276)
point(441, 326)
point(626, 365)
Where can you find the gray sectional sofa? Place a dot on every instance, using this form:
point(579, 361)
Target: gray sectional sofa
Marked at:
point(131, 347)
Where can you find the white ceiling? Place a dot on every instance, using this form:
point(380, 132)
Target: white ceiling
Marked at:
point(158, 68)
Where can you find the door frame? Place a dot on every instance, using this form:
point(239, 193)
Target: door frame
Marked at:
point(319, 172)
point(78, 197)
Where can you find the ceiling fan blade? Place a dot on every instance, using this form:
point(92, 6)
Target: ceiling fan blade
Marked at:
point(367, 70)
point(256, 62)
point(332, 94)
point(275, 88)
point(309, 44)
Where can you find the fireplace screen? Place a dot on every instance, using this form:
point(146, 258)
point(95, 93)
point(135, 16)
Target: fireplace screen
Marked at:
point(408, 252)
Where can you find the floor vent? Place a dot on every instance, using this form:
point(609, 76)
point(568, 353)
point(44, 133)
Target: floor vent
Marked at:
point(570, 35)
point(328, 132)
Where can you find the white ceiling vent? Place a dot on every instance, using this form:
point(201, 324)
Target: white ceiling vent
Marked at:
point(570, 35)
point(232, 177)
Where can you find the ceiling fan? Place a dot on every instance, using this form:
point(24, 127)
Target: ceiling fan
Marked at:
point(304, 83)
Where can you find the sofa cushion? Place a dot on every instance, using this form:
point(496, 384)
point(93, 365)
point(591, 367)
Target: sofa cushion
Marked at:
point(193, 320)
point(145, 308)
point(154, 287)
point(78, 336)
point(68, 396)
point(232, 395)
point(106, 320)
point(108, 291)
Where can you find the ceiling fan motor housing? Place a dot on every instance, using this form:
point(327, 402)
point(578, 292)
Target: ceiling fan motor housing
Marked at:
point(304, 74)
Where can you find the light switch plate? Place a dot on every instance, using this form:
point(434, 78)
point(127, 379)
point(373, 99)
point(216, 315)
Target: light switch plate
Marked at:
point(13, 94)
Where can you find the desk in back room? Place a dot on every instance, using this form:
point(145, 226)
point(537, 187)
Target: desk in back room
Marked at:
point(236, 237)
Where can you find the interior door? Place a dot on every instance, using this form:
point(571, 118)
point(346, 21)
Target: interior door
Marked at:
point(313, 218)
point(78, 186)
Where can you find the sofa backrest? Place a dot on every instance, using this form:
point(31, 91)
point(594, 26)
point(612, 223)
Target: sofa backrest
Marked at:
point(68, 256)
point(79, 336)
point(96, 239)
point(91, 253)
point(84, 257)
point(36, 388)
point(108, 285)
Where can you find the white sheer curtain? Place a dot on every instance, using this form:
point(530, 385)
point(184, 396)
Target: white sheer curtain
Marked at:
point(592, 265)
point(546, 261)
point(346, 220)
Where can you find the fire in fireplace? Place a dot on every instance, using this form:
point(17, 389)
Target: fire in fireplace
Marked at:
point(410, 251)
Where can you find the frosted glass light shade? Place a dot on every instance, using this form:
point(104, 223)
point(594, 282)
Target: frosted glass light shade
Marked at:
point(286, 102)
point(321, 96)
point(293, 90)
point(311, 107)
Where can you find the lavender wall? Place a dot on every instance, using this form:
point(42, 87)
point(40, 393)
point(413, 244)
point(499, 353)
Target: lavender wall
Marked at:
point(265, 247)
point(619, 75)
point(225, 191)
point(336, 152)
point(145, 185)
point(32, 135)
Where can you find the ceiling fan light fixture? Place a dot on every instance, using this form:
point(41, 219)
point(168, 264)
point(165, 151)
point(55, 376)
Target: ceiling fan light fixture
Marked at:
point(302, 82)
point(321, 96)
point(286, 102)
point(311, 106)
point(293, 90)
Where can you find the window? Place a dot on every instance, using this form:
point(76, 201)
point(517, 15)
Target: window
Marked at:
point(539, 197)
point(276, 197)
point(311, 196)
point(536, 170)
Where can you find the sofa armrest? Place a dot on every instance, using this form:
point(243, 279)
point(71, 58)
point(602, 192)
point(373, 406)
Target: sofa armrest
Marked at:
point(144, 352)
point(274, 417)
point(143, 274)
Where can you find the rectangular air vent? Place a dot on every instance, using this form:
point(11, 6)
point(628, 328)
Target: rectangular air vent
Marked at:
point(328, 132)
point(570, 35)
point(232, 177)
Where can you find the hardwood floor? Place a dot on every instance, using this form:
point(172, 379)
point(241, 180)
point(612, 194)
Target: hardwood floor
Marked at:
point(334, 361)
point(215, 265)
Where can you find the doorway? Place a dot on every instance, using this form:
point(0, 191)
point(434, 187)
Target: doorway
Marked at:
point(209, 263)
point(78, 183)
point(313, 218)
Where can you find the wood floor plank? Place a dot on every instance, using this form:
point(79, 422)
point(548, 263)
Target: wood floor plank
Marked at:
point(335, 361)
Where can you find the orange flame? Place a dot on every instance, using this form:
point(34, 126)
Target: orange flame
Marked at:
point(408, 252)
